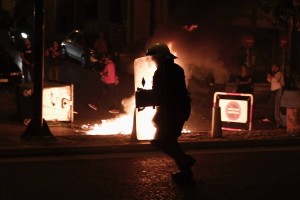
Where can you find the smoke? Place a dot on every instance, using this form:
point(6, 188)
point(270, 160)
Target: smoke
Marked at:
point(197, 52)
point(200, 33)
point(129, 105)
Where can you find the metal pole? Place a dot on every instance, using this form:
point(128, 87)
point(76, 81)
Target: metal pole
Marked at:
point(216, 127)
point(38, 126)
point(133, 133)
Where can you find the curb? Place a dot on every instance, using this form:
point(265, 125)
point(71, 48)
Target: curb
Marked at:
point(144, 147)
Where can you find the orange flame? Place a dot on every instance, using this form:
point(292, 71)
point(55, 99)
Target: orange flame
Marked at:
point(122, 124)
point(144, 68)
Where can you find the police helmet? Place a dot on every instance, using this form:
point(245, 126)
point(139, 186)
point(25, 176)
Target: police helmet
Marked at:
point(161, 50)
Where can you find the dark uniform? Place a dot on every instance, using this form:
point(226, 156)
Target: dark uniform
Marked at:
point(173, 99)
point(174, 107)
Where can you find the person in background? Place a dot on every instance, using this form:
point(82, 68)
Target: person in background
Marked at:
point(54, 54)
point(27, 57)
point(174, 107)
point(219, 77)
point(110, 79)
point(244, 82)
point(101, 45)
point(276, 80)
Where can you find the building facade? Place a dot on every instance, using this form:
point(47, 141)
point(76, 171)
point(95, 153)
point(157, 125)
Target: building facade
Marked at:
point(130, 23)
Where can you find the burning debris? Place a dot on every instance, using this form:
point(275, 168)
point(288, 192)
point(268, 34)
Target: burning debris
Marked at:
point(144, 69)
point(121, 124)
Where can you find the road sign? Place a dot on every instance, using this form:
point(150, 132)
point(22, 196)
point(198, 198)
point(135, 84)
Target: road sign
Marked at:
point(235, 107)
point(234, 110)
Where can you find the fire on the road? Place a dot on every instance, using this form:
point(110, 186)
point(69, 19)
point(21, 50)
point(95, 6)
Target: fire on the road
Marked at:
point(123, 123)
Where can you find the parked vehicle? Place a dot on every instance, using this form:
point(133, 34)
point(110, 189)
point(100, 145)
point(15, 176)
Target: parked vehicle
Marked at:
point(10, 73)
point(78, 46)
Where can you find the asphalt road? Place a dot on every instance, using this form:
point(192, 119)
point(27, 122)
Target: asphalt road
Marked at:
point(265, 173)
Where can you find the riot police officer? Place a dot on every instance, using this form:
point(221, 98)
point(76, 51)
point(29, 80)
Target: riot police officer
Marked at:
point(174, 106)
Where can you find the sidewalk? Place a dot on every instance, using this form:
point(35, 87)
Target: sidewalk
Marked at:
point(68, 140)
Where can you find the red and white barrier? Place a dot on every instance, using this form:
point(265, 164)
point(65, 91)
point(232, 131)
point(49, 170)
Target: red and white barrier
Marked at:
point(232, 110)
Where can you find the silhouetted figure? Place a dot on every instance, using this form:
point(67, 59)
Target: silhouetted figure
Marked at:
point(54, 54)
point(174, 106)
point(244, 82)
point(110, 79)
point(27, 57)
point(101, 45)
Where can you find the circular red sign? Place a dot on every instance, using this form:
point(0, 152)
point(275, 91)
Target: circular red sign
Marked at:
point(233, 110)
